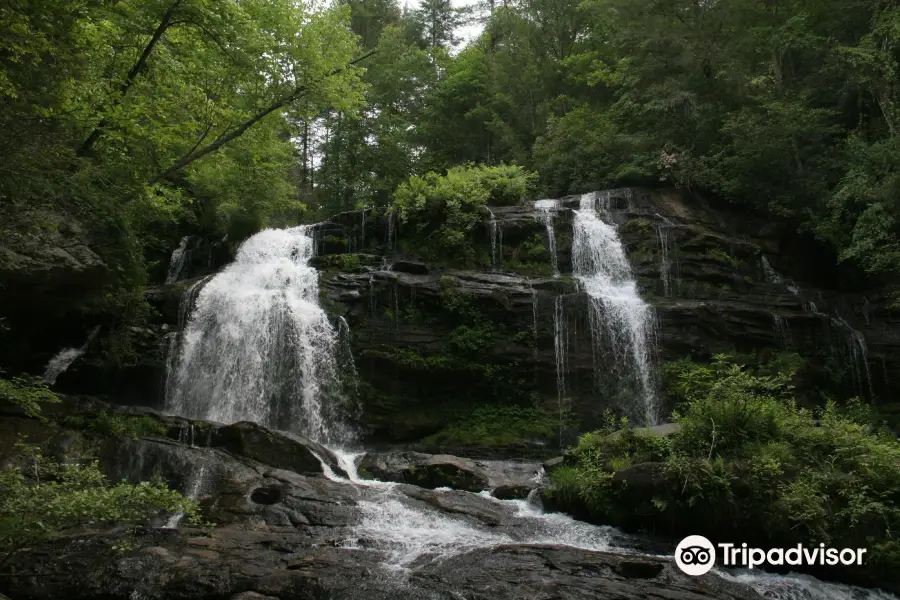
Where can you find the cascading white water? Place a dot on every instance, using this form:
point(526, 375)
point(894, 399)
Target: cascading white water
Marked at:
point(546, 209)
point(620, 319)
point(64, 359)
point(258, 346)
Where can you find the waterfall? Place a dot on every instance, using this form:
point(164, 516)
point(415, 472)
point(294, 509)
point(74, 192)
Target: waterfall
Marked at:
point(546, 209)
point(391, 228)
point(618, 315)
point(362, 235)
point(782, 331)
point(258, 346)
point(496, 234)
point(65, 357)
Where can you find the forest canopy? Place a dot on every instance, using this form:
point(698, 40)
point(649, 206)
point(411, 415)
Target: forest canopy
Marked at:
point(149, 119)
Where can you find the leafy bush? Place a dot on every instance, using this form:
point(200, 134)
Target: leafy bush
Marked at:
point(748, 463)
point(28, 393)
point(114, 424)
point(497, 425)
point(444, 209)
point(48, 497)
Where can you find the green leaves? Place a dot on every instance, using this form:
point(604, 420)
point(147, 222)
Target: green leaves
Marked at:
point(449, 206)
point(28, 393)
point(53, 497)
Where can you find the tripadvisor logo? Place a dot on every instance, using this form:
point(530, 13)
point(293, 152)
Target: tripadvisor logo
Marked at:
point(696, 555)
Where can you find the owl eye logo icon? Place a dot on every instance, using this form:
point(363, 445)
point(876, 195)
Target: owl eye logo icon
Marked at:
point(695, 555)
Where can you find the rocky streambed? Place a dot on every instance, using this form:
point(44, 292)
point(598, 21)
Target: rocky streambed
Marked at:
point(293, 520)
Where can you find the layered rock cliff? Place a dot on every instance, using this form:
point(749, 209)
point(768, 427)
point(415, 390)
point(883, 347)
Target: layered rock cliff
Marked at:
point(437, 341)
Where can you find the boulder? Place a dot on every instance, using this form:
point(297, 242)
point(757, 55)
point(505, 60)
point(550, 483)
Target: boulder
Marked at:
point(426, 470)
point(278, 449)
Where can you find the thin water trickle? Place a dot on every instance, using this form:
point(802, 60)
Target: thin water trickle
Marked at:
point(782, 331)
point(391, 228)
point(496, 234)
point(665, 267)
point(546, 209)
point(179, 260)
point(856, 341)
point(560, 345)
point(195, 487)
point(621, 322)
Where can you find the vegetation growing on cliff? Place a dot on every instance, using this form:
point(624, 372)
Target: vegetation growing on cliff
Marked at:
point(442, 210)
point(746, 462)
point(41, 497)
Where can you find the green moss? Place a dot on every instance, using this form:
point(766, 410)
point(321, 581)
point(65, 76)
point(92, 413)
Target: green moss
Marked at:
point(497, 426)
point(115, 424)
point(639, 225)
point(719, 255)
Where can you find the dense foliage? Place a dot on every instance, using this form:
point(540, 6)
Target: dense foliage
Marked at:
point(49, 497)
point(149, 119)
point(746, 461)
point(41, 497)
point(787, 108)
point(442, 210)
point(136, 118)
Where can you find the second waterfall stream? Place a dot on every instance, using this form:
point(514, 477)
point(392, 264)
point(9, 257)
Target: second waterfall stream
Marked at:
point(259, 347)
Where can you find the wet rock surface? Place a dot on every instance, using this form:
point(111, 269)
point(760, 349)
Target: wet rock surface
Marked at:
point(513, 479)
point(291, 535)
point(241, 564)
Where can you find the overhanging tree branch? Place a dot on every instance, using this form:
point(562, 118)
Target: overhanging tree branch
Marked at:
point(139, 66)
point(298, 93)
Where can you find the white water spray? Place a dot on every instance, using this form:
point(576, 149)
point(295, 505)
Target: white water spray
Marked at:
point(258, 346)
point(620, 319)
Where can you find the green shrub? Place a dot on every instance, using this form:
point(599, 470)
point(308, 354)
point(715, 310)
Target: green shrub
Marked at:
point(27, 393)
point(497, 426)
point(443, 210)
point(49, 497)
point(115, 424)
point(748, 462)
